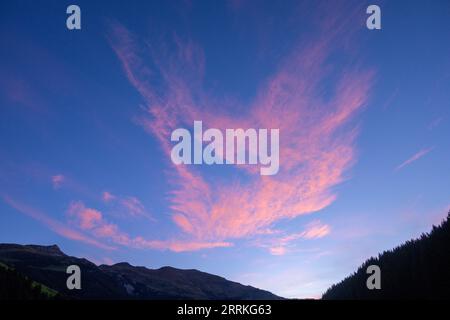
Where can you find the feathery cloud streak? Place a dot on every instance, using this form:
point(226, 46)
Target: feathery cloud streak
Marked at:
point(415, 157)
point(54, 225)
point(316, 142)
point(87, 225)
point(92, 221)
point(314, 230)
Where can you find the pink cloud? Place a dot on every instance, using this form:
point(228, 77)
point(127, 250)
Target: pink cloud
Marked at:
point(92, 221)
point(317, 138)
point(179, 246)
point(132, 206)
point(415, 157)
point(87, 218)
point(278, 251)
point(196, 245)
point(107, 196)
point(57, 181)
point(52, 224)
point(314, 230)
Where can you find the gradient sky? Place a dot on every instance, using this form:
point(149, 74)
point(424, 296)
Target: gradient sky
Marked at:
point(86, 117)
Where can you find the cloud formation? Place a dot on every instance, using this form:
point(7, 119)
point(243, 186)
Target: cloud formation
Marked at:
point(415, 157)
point(130, 205)
point(283, 244)
point(54, 225)
point(316, 147)
point(107, 196)
point(89, 226)
point(92, 221)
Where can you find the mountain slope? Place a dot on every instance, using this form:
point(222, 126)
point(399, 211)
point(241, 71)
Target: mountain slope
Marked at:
point(47, 265)
point(418, 269)
point(16, 286)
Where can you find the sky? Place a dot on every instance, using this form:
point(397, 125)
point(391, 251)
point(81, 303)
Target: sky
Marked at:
point(86, 118)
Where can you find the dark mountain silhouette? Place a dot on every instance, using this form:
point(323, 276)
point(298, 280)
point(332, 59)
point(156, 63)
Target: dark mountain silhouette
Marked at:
point(418, 269)
point(47, 265)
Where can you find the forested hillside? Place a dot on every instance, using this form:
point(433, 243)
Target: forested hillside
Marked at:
point(15, 286)
point(415, 270)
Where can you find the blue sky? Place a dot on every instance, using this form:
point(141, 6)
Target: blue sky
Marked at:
point(86, 117)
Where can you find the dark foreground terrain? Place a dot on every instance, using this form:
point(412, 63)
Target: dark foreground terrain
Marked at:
point(417, 269)
point(39, 272)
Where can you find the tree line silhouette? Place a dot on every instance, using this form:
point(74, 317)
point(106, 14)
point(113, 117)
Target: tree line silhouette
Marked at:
point(417, 269)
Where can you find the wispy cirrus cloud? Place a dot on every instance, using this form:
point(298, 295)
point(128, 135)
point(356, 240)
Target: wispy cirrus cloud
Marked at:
point(92, 221)
point(131, 205)
point(414, 158)
point(317, 139)
point(282, 244)
point(56, 226)
point(134, 206)
point(316, 144)
point(88, 225)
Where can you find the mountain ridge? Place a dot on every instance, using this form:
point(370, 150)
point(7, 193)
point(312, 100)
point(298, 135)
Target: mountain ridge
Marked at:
point(47, 265)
